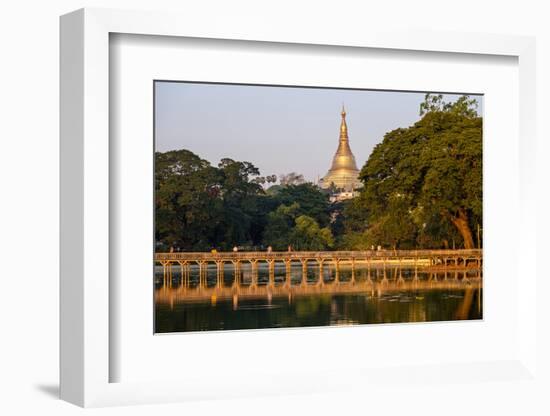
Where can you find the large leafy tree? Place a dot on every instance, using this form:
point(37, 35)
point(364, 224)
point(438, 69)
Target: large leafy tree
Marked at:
point(200, 207)
point(241, 207)
point(279, 226)
point(187, 201)
point(286, 226)
point(311, 200)
point(422, 179)
point(308, 235)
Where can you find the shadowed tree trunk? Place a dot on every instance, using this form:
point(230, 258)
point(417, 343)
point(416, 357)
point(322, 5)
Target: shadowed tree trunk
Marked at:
point(461, 223)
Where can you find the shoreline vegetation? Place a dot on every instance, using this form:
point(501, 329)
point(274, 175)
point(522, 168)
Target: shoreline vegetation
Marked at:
point(422, 189)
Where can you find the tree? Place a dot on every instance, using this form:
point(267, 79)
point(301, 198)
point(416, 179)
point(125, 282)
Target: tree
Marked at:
point(307, 235)
point(434, 103)
point(199, 206)
point(279, 226)
point(240, 193)
point(291, 178)
point(187, 201)
point(434, 170)
point(311, 200)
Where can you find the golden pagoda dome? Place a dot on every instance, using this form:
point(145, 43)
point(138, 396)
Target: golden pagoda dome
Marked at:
point(343, 173)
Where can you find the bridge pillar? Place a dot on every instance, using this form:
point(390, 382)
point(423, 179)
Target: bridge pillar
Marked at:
point(304, 272)
point(182, 271)
point(288, 273)
point(237, 272)
point(400, 279)
point(337, 271)
point(369, 277)
point(353, 270)
point(220, 266)
point(271, 268)
point(254, 266)
point(202, 273)
point(163, 273)
point(321, 272)
point(170, 274)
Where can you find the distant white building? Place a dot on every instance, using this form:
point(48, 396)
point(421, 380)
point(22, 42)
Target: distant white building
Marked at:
point(343, 195)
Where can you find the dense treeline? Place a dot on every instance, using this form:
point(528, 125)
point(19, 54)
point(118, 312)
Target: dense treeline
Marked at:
point(422, 189)
point(201, 207)
point(423, 184)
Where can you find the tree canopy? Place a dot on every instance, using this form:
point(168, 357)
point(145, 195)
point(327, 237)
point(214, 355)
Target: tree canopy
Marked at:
point(422, 189)
point(201, 207)
point(423, 184)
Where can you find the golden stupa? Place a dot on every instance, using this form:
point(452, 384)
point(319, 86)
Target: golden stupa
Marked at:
point(343, 172)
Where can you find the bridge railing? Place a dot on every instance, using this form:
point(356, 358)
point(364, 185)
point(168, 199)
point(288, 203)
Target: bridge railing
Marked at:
point(302, 255)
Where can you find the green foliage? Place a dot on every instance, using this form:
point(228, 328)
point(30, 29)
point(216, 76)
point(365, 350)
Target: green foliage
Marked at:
point(423, 184)
point(287, 227)
point(240, 196)
point(307, 235)
point(279, 226)
point(200, 207)
point(311, 201)
point(291, 178)
point(290, 223)
point(422, 188)
point(463, 106)
point(186, 200)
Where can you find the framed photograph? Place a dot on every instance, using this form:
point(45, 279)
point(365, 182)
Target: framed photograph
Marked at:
point(239, 247)
point(329, 205)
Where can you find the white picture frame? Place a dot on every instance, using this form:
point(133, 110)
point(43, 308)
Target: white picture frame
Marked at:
point(85, 353)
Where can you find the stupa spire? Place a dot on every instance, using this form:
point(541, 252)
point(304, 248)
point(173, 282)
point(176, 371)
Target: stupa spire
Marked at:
point(343, 172)
point(343, 125)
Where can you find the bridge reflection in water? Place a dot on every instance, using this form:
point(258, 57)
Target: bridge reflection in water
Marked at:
point(209, 296)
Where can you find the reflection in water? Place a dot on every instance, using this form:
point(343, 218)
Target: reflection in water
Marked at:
point(298, 297)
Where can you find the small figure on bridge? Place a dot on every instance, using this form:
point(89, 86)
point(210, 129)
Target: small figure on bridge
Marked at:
point(289, 247)
point(214, 251)
point(235, 249)
point(269, 249)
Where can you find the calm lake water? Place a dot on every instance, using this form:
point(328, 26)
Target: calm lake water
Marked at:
point(364, 296)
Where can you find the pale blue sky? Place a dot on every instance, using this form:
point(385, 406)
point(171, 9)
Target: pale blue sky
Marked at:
point(278, 129)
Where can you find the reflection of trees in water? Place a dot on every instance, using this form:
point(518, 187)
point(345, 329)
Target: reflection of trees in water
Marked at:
point(321, 310)
point(420, 306)
point(376, 295)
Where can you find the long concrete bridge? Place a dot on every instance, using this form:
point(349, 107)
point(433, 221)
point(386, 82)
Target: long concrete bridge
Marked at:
point(446, 259)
